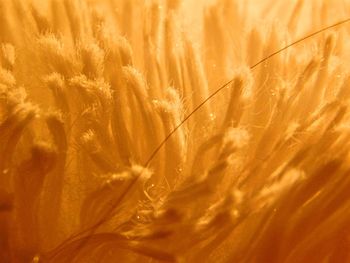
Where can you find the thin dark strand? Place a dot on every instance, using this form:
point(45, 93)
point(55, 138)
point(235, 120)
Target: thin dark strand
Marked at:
point(92, 230)
point(155, 152)
point(300, 40)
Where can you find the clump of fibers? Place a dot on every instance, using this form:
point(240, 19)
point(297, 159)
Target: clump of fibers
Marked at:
point(90, 90)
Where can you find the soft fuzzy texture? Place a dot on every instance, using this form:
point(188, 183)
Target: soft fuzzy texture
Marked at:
point(90, 89)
